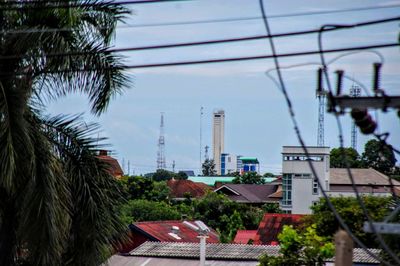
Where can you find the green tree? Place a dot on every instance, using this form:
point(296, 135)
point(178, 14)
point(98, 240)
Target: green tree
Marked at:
point(208, 168)
point(298, 249)
point(145, 210)
point(268, 174)
point(379, 156)
point(54, 191)
point(139, 187)
point(350, 210)
point(345, 157)
point(181, 175)
point(249, 178)
point(162, 175)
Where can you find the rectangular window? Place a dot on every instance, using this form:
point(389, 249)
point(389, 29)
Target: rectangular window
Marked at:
point(315, 186)
point(287, 189)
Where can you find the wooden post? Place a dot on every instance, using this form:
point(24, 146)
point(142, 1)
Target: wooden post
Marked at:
point(344, 249)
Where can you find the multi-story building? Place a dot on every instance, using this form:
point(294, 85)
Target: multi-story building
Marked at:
point(300, 187)
point(229, 163)
point(248, 164)
point(218, 138)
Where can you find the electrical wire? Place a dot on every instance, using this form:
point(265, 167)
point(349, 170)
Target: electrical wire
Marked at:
point(339, 125)
point(297, 130)
point(29, 5)
point(223, 20)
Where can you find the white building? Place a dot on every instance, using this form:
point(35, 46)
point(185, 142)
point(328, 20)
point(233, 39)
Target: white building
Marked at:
point(218, 138)
point(229, 163)
point(299, 185)
point(300, 188)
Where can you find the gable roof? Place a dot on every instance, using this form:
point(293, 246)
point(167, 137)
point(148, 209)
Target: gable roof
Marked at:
point(272, 224)
point(244, 236)
point(180, 187)
point(114, 167)
point(160, 231)
point(224, 252)
point(249, 193)
point(339, 176)
point(210, 180)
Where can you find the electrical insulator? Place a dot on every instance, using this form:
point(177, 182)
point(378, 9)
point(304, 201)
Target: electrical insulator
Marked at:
point(363, 120)
point(377, 75)
point(319, 81)
point(339, 82)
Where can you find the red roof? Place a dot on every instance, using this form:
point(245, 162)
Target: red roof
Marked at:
point(272, 225)
point(244, 236)
point(160, 231)
point(114, 169)
point(180, 187)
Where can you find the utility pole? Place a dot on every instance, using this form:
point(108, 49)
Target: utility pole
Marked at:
point(343, 249)
point(321, 95)
point(129, 167)
point(206, 152)
point(161, 146)
point(173, 166)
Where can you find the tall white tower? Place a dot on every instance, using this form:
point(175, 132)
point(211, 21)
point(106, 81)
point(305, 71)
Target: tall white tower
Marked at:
point(218, 138)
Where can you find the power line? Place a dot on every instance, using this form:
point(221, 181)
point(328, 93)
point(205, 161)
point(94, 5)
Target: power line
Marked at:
point(222, 60)
point(127, 26)
point(29, 5)
point(336, 114)
point(218, 41)
point(282, 86)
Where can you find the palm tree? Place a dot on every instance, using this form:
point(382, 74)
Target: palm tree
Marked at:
point(57, 200)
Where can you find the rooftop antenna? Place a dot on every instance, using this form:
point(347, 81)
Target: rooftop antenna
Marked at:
point(321, 95)
point(161, 146)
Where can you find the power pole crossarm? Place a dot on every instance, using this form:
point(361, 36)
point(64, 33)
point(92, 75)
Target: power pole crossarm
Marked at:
point(381, 102)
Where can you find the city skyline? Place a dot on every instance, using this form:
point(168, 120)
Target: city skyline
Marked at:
point(258, 123)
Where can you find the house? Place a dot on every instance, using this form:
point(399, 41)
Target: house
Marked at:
point(272, 224)
point(301, 188)
point(180, 189)
point(114, 167)
point(164, 231)
point(217, 181)
point(245, 236)
point(217, 254)
point(250, 193)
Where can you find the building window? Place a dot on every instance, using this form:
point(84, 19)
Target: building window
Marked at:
point(229, 159)
point(287, 189)
point(315, 186)
point(303, 158)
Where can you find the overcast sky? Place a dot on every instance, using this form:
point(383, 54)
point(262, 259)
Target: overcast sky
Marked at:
point(257, 121)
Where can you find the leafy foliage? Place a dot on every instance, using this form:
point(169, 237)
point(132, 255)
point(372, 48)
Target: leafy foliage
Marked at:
point(57, 200)
point(297, 249)
point(379, 156)
point(349, 209)
point(209, 168)
point(139, 187)
point(249, 178)
point(145, 210)
point(345, 157)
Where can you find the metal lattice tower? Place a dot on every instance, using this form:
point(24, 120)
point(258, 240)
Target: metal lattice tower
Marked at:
point(321, 117)
point(161, 146)
point(355, 91)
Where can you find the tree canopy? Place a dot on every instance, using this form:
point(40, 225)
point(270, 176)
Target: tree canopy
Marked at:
point(345, 157)
point(249, 178)
point(379, 156)
point(208, 168)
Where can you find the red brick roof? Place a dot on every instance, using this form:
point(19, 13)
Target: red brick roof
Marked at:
point(272, 225)
point(114, 169)
point(244, 236)
point(159, 231)
point(180, 187)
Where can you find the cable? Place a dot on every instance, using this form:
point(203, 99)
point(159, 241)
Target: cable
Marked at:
point(29, 5)
point(187, 44)
point(210, 61)
point(297, 130)
point(360, 201)
point(127, 26)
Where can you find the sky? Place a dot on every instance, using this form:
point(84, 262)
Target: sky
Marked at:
point(257, 121)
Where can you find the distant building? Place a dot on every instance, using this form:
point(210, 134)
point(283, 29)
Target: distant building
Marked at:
point(218, 138)
point(229, 163)
point(250, 193)
point(248, 164)
point(300, 188)
point(113, 166)
point(164, 231)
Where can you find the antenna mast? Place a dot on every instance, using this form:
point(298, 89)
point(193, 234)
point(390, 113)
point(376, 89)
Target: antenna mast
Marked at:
point(161, 146)
point(355, 91)
point(321, 95)
point(201, 133)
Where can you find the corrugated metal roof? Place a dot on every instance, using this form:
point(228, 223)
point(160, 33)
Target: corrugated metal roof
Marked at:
point(339, 176)
point(160, 230)
point(224, 252)
point(244, 236)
